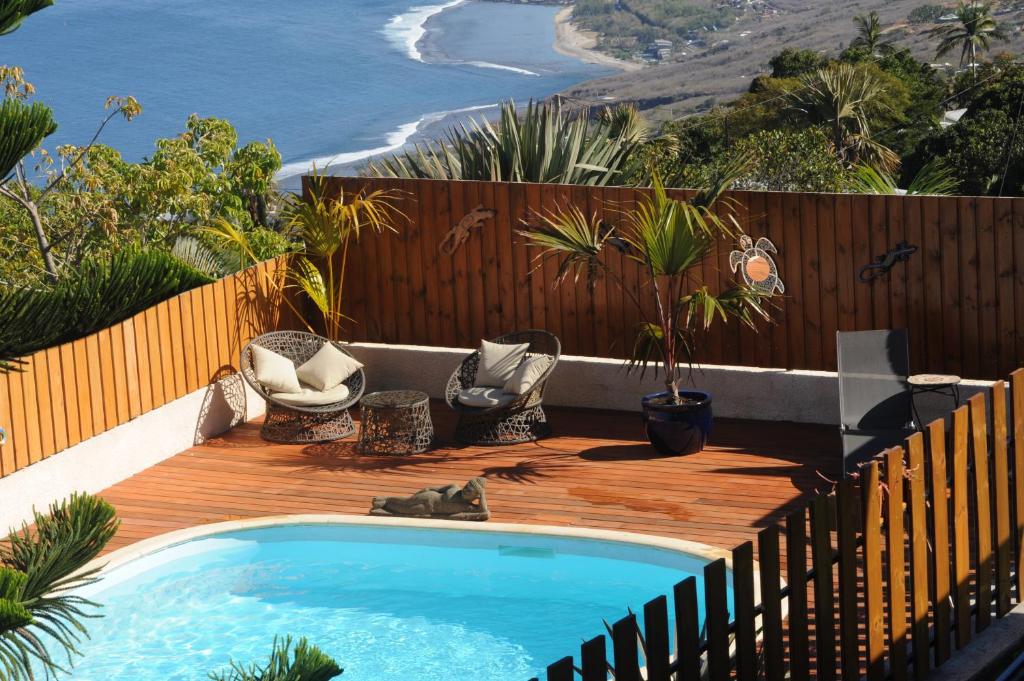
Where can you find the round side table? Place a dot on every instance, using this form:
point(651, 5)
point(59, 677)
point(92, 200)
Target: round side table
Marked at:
point(395, 422)
point(932, 383)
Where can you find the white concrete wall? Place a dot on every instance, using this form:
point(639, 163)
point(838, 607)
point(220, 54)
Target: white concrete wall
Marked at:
point(118, 454)
point(737, 392)
point(102, 461)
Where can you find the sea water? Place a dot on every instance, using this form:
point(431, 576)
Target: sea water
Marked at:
point(389, 603)
point(330, 81)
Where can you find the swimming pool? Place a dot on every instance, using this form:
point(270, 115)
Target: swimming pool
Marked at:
point(388, 601)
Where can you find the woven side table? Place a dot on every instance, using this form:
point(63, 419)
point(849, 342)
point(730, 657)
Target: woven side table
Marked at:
point(395, 422)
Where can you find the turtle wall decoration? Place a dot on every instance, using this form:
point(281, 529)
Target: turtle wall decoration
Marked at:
point(756, 265)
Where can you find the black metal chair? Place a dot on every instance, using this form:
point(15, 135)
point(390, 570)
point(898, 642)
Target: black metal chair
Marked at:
point(520, 420)
point(302, 424)
point(874, 397)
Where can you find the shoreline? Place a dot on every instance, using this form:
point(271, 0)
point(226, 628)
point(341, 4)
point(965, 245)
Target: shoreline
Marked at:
point(571, 41)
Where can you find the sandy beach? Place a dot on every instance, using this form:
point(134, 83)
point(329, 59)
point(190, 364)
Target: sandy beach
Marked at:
point(572, 42)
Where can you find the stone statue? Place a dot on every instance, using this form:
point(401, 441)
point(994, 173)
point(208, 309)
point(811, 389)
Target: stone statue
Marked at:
point(449, 502)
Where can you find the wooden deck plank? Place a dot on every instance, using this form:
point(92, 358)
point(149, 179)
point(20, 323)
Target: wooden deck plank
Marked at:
point(750, 475)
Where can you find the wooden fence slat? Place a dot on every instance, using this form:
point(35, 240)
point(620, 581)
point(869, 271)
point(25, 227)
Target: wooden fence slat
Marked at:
point(18, 429)
point(624, 641)
point(939, 538)
point(1017, 414)
point(131, 367)
point(594, 660)
point(716, 609)
point(70, 390)
point(771, 602)
point(688, 655)
point(120, 369)
point(7, 464)
point(656, 639)
point(824, 591)
point(34, 430)
point(796, 577)
point(743, 598)
point(961, 539)
point(561, 670)
point(896, 578)
point(83, 387)
point(871, 507)
point(983, 512)
point(44, 407)
point(1001, 487)
point(846, 538)
point(917, 507)
point(95, 383)
point(58, 408)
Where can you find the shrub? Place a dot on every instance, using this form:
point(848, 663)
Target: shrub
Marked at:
point(101, 293)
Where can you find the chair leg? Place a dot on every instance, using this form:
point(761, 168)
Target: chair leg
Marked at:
point(502, 428)
point(296, 427)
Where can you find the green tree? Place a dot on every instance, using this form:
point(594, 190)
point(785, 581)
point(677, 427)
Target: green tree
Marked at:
point(790, 63)
point(985, 151)
point(925, 14)
point(305, 663)
point(790, 160)
point(974, 31)
point(869, 34)
point(40, 565)
point(847, 100)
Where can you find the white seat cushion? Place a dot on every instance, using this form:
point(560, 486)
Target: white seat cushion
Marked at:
point(327, 368)
point(311, 397)
point(526, 375)
point(274, 371)
point(484, 397)
point(498, 362)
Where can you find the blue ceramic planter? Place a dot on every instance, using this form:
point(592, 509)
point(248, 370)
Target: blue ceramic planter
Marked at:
point(678, 429)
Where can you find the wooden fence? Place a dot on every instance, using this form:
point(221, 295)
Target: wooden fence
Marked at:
point(65, 394)
point(961, 295)
point(897, 570)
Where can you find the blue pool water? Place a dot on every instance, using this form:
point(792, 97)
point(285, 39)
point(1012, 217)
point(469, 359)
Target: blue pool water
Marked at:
point(388, 603)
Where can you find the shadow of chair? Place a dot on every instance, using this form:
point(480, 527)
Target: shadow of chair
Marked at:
point(224, 405)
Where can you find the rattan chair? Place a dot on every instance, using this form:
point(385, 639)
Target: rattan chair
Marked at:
point(522, 419)
point(293, 424)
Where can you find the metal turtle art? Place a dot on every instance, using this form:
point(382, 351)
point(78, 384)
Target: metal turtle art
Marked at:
point(758, 268)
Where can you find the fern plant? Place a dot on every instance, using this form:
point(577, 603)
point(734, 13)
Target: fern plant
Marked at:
point(41, 565)
point(101, 293)
point(305, 663)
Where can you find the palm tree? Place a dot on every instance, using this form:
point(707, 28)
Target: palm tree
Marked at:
point(40, 566)
point(667, 238)
point(306, 663)
point(934, 179)
point(869, 34)
point(845, 99)
point(975, 30)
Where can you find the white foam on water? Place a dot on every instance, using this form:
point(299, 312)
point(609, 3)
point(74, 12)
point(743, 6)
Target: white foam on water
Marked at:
point(406, 30)
point(394, 141)
point(502, 67)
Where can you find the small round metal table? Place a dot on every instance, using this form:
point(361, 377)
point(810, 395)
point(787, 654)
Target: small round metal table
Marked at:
point(395, 422)
point(932, 383)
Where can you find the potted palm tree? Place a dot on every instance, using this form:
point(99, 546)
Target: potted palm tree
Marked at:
point(667, 238)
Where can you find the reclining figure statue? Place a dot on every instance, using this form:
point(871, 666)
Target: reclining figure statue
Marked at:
point(449, 502)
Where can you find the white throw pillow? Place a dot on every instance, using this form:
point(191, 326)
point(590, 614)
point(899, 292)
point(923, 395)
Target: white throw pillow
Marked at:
point(314, 398)
point(526, 375)
point(498, 362)
point(275, 371)
point(484, 398)
point(327, 368)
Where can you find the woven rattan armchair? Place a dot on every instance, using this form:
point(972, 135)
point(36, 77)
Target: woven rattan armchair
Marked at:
point(294, 424)
point(522, 419)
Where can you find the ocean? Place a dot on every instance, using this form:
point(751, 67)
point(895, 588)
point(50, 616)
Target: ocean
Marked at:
point(330, 81)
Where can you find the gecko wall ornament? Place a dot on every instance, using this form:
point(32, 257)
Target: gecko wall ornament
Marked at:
point(458, 234)
point(756, 265)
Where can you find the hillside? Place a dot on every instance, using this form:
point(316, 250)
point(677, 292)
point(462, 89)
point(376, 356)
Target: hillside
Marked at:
point(720, 62)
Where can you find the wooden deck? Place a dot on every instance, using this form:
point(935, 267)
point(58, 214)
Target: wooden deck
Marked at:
point(597, 472)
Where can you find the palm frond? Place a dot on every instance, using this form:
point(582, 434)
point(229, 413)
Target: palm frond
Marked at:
point(305, 663)
point(201, 257)
point(574, 240)
point(23, 127)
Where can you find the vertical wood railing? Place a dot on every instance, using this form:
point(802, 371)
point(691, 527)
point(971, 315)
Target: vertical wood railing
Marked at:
point(887, 576)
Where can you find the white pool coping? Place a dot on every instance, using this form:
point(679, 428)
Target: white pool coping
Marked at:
point(147, 547)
